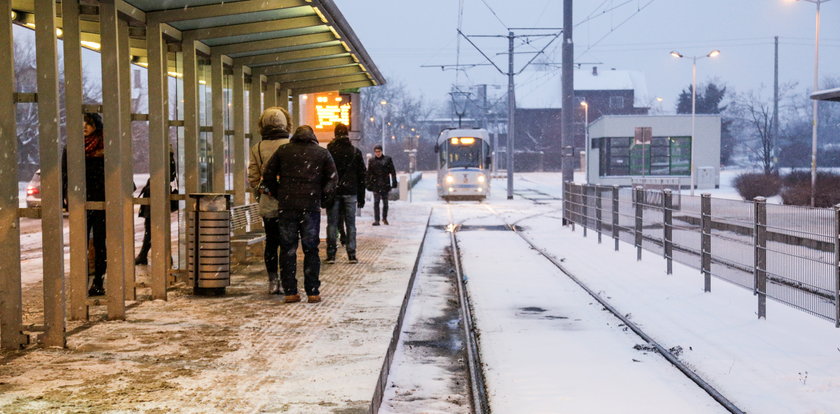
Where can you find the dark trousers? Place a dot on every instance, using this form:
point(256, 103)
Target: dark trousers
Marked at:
point(272, 244)
point(383, 195)
point(300, 225)
point(343, 209)
point(96, 229)
point(147, 239)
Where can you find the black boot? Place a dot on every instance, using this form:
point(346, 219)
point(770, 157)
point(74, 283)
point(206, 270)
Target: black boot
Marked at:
point(97, 289)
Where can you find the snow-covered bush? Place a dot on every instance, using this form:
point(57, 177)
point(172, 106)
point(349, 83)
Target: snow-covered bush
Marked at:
point(797, 189)
point(752, 185)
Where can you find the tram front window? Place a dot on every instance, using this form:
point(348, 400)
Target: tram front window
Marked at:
point(466, 153)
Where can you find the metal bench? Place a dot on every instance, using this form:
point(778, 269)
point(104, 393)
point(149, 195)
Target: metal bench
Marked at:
point(246, 229)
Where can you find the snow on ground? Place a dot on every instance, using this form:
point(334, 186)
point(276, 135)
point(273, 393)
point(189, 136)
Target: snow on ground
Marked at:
point(247, 352)
point(244, 352)
point(788, 363)
point(546, 345)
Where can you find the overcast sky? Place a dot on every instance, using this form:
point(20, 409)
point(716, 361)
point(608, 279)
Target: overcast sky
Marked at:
point(401, 36)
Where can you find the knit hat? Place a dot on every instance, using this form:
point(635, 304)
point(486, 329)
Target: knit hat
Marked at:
point(274, 119)
point(341, 130)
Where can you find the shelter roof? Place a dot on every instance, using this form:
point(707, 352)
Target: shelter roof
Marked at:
point(827, 95)
point(306, 45)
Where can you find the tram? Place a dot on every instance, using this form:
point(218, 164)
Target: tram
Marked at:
point(463, 164)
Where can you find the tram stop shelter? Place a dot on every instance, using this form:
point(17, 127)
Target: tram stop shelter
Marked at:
point(827, 95)
point(212, 67)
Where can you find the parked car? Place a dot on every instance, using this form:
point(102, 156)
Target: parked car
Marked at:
point(33, 190)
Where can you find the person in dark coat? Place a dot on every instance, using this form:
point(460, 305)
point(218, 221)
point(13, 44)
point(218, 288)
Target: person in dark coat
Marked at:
point(350, 193)
point(381, 177)
point(301, 175)
point(146, 211)
point(95, 185)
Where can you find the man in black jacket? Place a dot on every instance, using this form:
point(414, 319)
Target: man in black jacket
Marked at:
point(301, 176)
point(381, 177)
point(349, 193)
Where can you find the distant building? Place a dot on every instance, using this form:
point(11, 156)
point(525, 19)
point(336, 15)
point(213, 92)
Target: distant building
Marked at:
point(539, 102)
point(628, 147)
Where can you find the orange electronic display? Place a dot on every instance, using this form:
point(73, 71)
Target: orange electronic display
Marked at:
point(323, 110)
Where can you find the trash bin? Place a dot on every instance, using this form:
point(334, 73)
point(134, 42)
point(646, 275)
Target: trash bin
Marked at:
point(208, 246)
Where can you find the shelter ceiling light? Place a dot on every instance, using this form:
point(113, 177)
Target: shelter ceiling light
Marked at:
point(59, 32)
point(14, 15)
point(91, 45)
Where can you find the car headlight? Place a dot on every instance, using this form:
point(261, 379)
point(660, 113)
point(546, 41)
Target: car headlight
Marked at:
point(481, 178)
point(450, 179)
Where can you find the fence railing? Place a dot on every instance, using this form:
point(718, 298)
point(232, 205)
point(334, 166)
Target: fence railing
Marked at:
point(787, 253)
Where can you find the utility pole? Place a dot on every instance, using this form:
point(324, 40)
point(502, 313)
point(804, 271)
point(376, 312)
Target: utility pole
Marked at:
point(567, 140)
point(511, 87)
point(511, 118)
point(775, 131)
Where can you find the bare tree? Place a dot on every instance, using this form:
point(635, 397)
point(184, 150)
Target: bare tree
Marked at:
point(753, 121)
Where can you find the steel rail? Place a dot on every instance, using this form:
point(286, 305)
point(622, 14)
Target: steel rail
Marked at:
point(705, 386)
point(480, 403)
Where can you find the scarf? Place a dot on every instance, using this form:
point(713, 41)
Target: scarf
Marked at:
point(94, 146)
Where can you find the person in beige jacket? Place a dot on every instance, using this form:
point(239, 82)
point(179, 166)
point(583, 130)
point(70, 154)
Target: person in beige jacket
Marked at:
point(274, 124)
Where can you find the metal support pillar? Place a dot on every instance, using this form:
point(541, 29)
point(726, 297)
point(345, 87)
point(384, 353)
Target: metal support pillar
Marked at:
point(191, 126)
point(52, 220)
point(668, 229)
point(615, 216)
point(240, 160)
point(158, 160)
point(255, 105)
point(566, 203)
point(706, 241)
point(760, 264)
point(283, 101)
point(638, 202)
point(11, 317)
point(296, 111)
point(271, 92)
point(75, 149)
point(218, 105)
point(115, 195)
point(127, 157)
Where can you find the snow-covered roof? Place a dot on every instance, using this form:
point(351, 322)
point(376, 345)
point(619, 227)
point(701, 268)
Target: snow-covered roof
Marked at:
point(540, 87)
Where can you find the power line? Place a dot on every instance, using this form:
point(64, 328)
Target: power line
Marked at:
point(494, 14)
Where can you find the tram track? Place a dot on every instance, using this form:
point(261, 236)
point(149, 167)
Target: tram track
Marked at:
point(660, 349)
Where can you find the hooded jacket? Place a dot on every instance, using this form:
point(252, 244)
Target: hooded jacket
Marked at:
point(301, 175)
point(260, 154)
point(350, 167)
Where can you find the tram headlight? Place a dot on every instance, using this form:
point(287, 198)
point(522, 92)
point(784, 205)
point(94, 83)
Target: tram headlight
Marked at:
point(451, 189)
point(481, 178)
point(450, 179)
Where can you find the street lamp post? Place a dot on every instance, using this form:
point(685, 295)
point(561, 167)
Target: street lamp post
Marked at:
point(382, 104)
point(585, 106)
point(814, 104)
point(679, 55)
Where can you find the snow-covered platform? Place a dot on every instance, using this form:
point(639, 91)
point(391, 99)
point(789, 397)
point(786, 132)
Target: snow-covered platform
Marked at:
point(244, 352)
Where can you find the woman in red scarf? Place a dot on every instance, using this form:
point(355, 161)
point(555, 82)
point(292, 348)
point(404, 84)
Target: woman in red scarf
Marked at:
point(95, 183)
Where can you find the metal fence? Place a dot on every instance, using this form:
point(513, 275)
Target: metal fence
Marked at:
point(787, 253)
